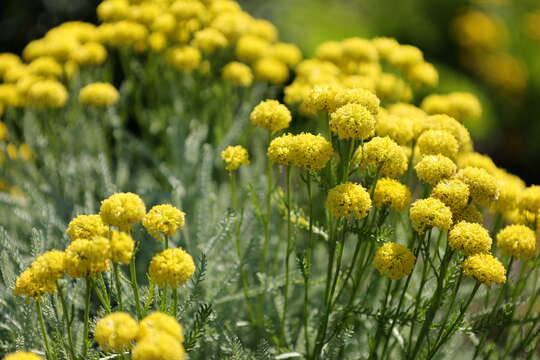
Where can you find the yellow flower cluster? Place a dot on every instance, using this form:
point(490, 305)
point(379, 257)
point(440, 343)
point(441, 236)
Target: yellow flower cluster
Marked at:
point(394, 260)
point(22, 355)
point(172, 266)
point(271, 115)
point(307, 151)
point(429, 213)
point(164, 220)
point(470, 238)
point(518, 241)
point(42, 275)
point(484, 268)
point(398, 128)
point(459, 105)
point(86, 258)
point(238, 74)
point(391, 193)
point(122, 210)
point(234, 156)
point(352, 121)
point(116, 332)
point(384, 155)
point(434, 168)
point(86, 227)
point(347, 200)
point(99, 95)
point(122, 247)
point(453, 193)
point(483, 187)
point(438, 142)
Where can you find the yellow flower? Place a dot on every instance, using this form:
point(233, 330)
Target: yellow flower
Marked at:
point(485, 268)
point(518, 241)
point(530, 199)
point(385, 155)
point(46, 66)
point(172, 266)
point(86, 227)
point(42, 275)
point(397, 128)
point(471, 238)
point(122, 210)
point(159, 346)
point(423, 74)
point(122, 247)
point(113, 10)
point(263, 29)
point(22, 355)
point(434, 142)
point(394, 260)
point(434, 168)
point(271, 115)
point(482, 186)
point(329, 51)
point(405, 56)
point(459, 105)
point(510, 189)
point(347, 200)
point(90, 54)
point(391, 193)
point(185, 58)
point(29, 284)
point(99, 94)
point(469, 214)
point(8, 60)
point(429, 213)
point(209, 40)
point(87, 258)
point(322, 98)
point(385, 46)
point(281, 149)
point(358, 49)
point(158, 322)
point(311, 152)
point(271, 70)
point(47, 93)
point(234, 156)
point(231, 24)
point(251, 48)
point(360, 96)
point(238, 74)
point(289, 54)
point(352, 121)
point(452, 126)
point(185, 10)
point(453, 193)
point(116, 332)
point(164, 220)
point(475, 159)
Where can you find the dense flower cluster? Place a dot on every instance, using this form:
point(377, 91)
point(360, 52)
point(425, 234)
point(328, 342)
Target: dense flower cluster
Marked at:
point(470, 238)
point(348, 200)
point(429, 213)
point(173, 267)
point(391, 193)
point(234, 156)
point(122, 210)
point(485, 268)
point(518, 241)
point(394, 260)
point(307, 151)
point(164, 220)
point(116, 332)
point(271, 115)
point(99, 94)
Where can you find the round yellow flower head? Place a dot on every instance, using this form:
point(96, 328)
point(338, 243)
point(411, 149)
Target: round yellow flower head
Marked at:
point(157, 41)
point(469, 214)
point(251, 48)
point(329, 51)
point(347, 200)
point(289, 54)
point(113, 10)
point(116, 332)
point(385, 46)
point(423, 74)
point(530, 199)
point(358, 49)
point(47, 94)
point(454, 127)
point(271, 115)
point(164, 220)
point(184, 58)
point(359, 81)
point(232, 24)
point(90, 54)
point(164, 23)
point(263, 29)
point(50, 266)
point(453, 193)
point(384, 154)
point(311, 152)
point(394, 260)
point(87, 258)
point(518, 241)
point(122, 247)
point(234, 156)
point(271, 70)
point(434, 168)
point(122, 210)
point(510, 189)
point(391, 193)
point(406, 56)
point(22, 355)
point(433, 142)
point(322, 98)
point(429, 213)
point(357, 96)
point(7, 60)
point(86, 227)
point(484, 268)
point(436, 104)
point(238, 74)
point(46, 66)
point(475, 159)
point(99, 94)
point(30, 284)
point(159, 346)
point(158, 322)
point(281, 150)
point(209, 40)
point(483, 187)
point(186, 10)
point(470, 238)
point(9, 96)
point(173, 267)
point(352, 121)
point(397, 128)
point(465, 106)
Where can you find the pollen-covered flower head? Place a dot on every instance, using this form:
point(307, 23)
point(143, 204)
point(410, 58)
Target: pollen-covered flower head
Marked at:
point(158, 346)
point(451, 125)
point(122, 247)
point(434, 168)
point(99, 95)
point(90, 54)
point(385, 155)
point(484, 268)
point(510, 190)
point(172, 266)
point(29, 284)
point(209, 40)
point(483, 187)
point(470, 238)
point(87, 258)
point(272, 70)
point(453, 193)
point(184, 58)
point(263, 29)
point(438, 142)
point(423, 74)
point(158, 322)
point(251, 48)
point(359, 49)
point(469, 214)
point(7, 60)
point(281, 150)
point(530, 199)
point(22, 355)
point(40, 278)
point(116, 332)
point(289, 54)
point(385, 46)
point(86, 227)
point(164, 220)
point(311, 152)
point(518, 241)
point(347, 200)
point(394, 260)
point(397, 128)
point(47, 94)
point(352, 121)
point(459, 105)
point(429, 213)
point(46, 66)
point(238, 74)
point(391, 193)
point(357, 96)
point(405, 56)
point(234, 156)
point(122, 210)
point(271, 115)
point(322, 98)
point(478, 160)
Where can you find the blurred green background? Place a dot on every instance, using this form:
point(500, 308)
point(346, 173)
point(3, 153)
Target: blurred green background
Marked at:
point(489, 47)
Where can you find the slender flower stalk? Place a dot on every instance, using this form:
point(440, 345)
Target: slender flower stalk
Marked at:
point(44, 334)
point(67, 322)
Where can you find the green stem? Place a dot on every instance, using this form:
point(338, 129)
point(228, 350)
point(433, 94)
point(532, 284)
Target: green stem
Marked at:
point(307, 274)
point(65, 317)
point(175, 302)
point(380, 322)
point(135, 287)
point(86, 316)
point(102, 293)
point(43, 330)
point(287, 255)
point(116, 273)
